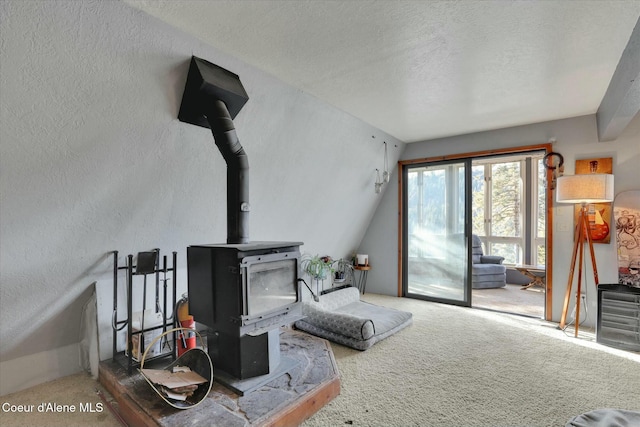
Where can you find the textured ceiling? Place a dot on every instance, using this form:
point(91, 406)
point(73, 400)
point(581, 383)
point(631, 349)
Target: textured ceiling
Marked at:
point(419, 70)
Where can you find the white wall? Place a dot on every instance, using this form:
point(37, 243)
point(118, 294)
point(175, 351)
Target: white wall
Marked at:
point(576, 139)
point(93, 159)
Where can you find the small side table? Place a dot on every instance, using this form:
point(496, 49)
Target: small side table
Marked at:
point(362, 281)
point(535, 273)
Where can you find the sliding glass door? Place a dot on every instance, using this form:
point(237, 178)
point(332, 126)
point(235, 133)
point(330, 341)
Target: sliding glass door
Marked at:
point(436, 224)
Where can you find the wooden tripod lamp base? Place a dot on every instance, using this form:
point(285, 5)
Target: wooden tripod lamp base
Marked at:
point(583, 189)
point(578, 247)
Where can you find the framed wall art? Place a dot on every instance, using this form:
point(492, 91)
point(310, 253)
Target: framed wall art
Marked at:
point(626, 212)
point(599, 213)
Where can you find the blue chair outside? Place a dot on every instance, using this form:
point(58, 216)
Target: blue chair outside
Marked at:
point(487, 270)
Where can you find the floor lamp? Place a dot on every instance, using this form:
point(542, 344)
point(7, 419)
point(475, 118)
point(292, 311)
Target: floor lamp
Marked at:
point(582, 189)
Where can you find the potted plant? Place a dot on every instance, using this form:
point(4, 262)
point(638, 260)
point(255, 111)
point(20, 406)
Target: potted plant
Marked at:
point(342, 270)
point(317, 267)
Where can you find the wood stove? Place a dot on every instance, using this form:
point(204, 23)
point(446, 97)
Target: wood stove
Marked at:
point(243, 292)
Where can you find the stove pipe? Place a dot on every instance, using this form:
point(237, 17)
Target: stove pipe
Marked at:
point(224, 134)
point(212, 98)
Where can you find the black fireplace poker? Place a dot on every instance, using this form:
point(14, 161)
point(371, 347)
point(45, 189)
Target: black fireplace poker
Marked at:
point(212, 98)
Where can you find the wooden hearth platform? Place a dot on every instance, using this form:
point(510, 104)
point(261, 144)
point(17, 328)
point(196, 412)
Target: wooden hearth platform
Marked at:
point(285, 401)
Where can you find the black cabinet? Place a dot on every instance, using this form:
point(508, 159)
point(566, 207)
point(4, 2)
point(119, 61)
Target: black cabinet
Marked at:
point(619, 316)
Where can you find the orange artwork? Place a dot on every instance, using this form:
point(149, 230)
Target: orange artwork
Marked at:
point(599, 213)
point(603, 165)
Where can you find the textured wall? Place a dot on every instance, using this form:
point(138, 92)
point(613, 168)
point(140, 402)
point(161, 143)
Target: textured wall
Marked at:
point(577, 138)
point(93, 159)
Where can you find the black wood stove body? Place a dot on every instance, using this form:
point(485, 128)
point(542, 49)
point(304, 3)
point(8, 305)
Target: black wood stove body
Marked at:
point(244, 293)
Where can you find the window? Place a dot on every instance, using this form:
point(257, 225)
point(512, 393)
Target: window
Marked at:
point(508, 206)
point(434, 197)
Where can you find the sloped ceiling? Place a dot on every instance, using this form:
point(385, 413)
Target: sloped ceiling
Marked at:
point(420, 70)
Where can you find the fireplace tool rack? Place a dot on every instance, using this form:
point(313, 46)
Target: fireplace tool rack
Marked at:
point(147, 263)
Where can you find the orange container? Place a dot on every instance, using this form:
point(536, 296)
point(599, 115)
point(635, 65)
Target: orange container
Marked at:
point(186, 339)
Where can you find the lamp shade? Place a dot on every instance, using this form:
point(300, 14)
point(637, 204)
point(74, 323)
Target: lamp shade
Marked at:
point(587, 188)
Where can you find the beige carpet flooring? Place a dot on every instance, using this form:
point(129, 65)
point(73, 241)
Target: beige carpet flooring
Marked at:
point(73, 390)
point(511, 299)
point(463, 367)
point(453, 367)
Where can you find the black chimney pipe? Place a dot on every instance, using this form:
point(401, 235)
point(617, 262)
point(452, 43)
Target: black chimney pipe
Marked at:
point(212, 98)
point(224, 134)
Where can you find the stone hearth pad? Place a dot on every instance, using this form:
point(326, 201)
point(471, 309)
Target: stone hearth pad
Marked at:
point(287, 400)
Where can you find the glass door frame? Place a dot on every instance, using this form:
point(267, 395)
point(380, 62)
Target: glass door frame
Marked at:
point(547, 147)
point(404, 217)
